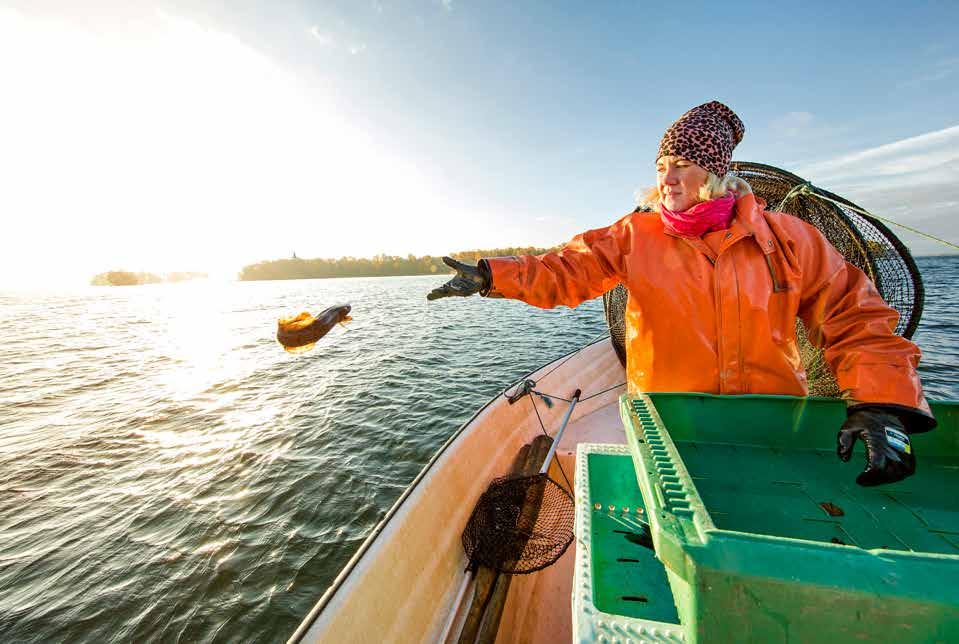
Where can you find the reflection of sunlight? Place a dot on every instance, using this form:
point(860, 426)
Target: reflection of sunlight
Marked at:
point(199, 337)
point(236, 496)
point(198, 344)
point(193, 440)
point(245, 419)
point(212, 547)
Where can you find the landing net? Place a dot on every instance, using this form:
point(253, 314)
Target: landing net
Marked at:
point(521, 524)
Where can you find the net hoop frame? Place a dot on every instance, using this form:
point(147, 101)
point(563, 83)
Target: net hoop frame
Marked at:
point(475, 548)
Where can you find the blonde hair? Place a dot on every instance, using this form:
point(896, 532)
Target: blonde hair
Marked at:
point(713, 188)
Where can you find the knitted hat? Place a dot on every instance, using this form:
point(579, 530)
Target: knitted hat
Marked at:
point(705, 135)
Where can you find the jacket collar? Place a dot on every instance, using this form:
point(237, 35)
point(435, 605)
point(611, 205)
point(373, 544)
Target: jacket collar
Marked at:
point(748, 222)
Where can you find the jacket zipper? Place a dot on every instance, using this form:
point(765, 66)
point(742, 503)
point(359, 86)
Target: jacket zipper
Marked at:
point(719, 326)
point(778, 287)
point(740, 359)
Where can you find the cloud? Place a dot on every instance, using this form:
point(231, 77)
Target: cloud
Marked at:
point(328, 40)
point(801, 129)
point(937, 71)
point(324, 39)
point(920, 157)
point(914, 181)
point(792, 123)
point(800, 134)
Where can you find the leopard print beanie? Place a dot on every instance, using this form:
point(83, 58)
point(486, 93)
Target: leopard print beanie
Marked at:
point(705, 135)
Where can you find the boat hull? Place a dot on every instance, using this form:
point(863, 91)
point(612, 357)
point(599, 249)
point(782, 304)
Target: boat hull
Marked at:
point(401, 584)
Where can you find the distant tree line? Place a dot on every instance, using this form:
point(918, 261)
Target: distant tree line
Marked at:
point(378, 266)
point(130, 278)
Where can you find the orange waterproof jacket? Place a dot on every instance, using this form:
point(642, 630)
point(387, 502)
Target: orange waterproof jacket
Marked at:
point(725, 323)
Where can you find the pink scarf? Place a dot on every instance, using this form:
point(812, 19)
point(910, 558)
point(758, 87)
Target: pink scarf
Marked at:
point(702, 218)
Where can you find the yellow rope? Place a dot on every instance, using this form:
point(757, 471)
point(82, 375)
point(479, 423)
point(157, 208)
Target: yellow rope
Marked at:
point(807, 189)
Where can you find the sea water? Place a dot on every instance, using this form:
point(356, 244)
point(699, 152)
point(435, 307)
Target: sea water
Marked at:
point(169, 473)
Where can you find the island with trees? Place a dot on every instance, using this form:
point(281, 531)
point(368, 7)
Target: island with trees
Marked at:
point(379, 266)
point(131, 278)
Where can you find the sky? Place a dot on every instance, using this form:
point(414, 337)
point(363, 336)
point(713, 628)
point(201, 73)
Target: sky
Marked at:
point(170, 135)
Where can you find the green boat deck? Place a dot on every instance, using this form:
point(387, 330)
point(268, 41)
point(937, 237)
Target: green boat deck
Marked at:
point(761, 533)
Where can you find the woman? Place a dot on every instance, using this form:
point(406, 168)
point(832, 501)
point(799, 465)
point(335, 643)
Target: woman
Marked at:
point(715, 285)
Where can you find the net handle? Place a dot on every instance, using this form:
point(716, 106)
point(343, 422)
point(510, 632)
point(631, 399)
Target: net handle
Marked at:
point(559, 434)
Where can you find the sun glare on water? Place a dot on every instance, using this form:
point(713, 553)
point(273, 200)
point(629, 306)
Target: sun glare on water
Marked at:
point(192, 326)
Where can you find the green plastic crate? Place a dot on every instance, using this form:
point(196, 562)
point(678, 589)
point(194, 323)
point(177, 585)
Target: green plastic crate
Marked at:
point(766, 537)
point(620, 590)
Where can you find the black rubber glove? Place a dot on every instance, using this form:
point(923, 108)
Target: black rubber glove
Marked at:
point(889, 455)
point(469, 280)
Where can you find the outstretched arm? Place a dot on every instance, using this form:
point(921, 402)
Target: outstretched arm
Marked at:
point(588, 266)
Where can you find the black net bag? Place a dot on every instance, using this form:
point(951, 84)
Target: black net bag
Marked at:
point(520, 525)
point(614, 306)
point(865, 242)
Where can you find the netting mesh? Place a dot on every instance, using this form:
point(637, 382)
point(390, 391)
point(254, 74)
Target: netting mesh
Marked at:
point(864, 242)
point(521, 524)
